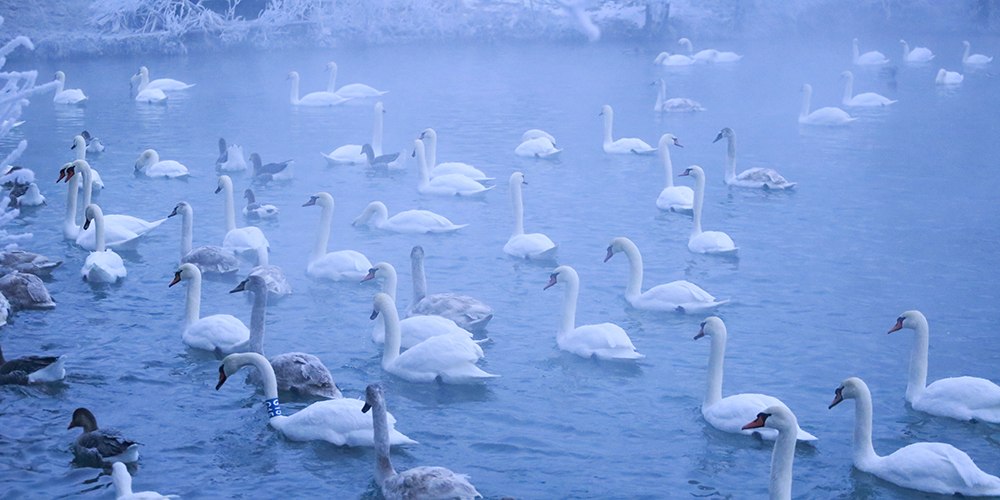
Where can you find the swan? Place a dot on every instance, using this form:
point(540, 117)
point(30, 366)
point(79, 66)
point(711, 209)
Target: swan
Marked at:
point(962, 398)
point(31, 197)
point(675, 105)
point(244, 241)
point(621, 146)
point(149, 164)
point(25, 291)
point(974, 58)
point(273, 276)
point(66, 96)
point(220, 332)
point(948, 77)
point(353, 153)
point(681, 296)
point(765, 178)
point(539, 147)
point(336, 266)
point(730, 413)
point(27, 262)
point(338, 421)
point(667, 59)
point(419, 483)
point(35, 369)
point(70, 229)
point(258, 211)
point(822, 116)
point(208, 259)
point(446, 184)
point(96, 446)
point(917, 55)
point(605, 341)
point(867, 99)
point(389, 161)
point(230, 158)
point(314, 98)
point(353, 90)
point(868, 58)
point(782, 420)
point(145, 93)
point(465, 311)
point(436, 170)
point(272, 171)
point(535, 134)
point(534, 246)
point(703, 56)
point(5, 310)
point(412, 330)
point(102, 265)
point(81, 147)
point(94, 145)
point(450, 358)
point(725, 57)
point(714, 242)
point(410, 221)
point(165, 84)
point(673, 198)
point(931, 467)
point(123, 486)
point(112, 222)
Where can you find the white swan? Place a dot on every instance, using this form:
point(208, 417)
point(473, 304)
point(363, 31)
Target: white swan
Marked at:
point(145, 93)
point(70, 229)
point(822, 116)
point(758, 177)
point(675, 105)
point(625, 145)
point(539, 147)
point(353, 90)
point(446, 184)
point(681, 296)
point(931, 467)
point(948, 77)
point(868, 58)
point(336, 266)
point(411, 221)
point(465, 311)
point(673, 198)
point(974, 58)
point(703, 56)
point(917, 55)
point(713, 242)
point(258, 211)
point(165, 84)
point(81, 147)
point(605, 341)
point(66, 96)
point(208, 259)
point(352, 153)
point(962, 398)
point(336, 421)
point(453, 167)
point(535, 134)
point(534, 246)
point(220, 332)
point(450, 358)
point(243, 241)
point(730, 413)
point(273, 276)
point(123, 486)
point(314, 98)
point(867, 99)
point(667, 59)
point(103, 265)
point(782, 420)
point(419, 483)
point(31, 197)
point(230, 158)
point(149, 164)
point(120, 230)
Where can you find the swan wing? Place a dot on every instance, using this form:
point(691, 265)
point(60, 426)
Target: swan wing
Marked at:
point(275, 280)
point(244, 238)
point(539, 147)
point(430, 483)
point(937, 468)
point(964, 398)
point(605, 340)
point(350, 153)
point(134, 224)
point(730, 414)
point(103, 267)
point(212, 260)
point(531, 246)
point(345, 264)
point(221, 331)
point(151, 96)
point(465, 311)
point(322, 99)
point(359, 90)
point(115, 237)
point(458, 183)
point(680, 104)
point(628, 145)
point(439, 353)
point(421, 221)
point(676, 199)
point(669, 296)
point(712, 242)
point(460, 169)
point(168, 84)
point(167, 168)
point(416, 329)
point(829, 116)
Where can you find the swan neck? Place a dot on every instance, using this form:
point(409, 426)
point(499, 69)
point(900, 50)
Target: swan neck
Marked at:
point(518, 207)
point(855, 52)
point(70, 228)
point(731, 157)
point(807, 96)
point(422, 159)
point(668, 166)
point(965, 56)
point(569, 306)
point(390, 350)
point(322, 233)
point(266, 374)
point(699, 200)
point(123, 483)
point(780, 487)
point(60, 85)
point(661, 95)
point(143, 81)
point(381, 215)
point(608, 120)
point(634, 288)
point(256, 341)
point(389, 285)
point(862, 446)
point(918, 362)
point(230, 210)
point(331, 85)
point(262, 257)
point(377, 134)
point(716, 356)
point(906, 51)
point(295, 90)
point(88, 186)
point(99, 245)
point(380, 425)
point(81, 150)
point(193, 310)
point(187, 232)
point(419, 281)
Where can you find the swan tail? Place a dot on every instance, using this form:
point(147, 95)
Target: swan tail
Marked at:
point(547, 255)
point(805, 436)
point(475, 325)
point(645, 151)
point(548, 156)
point(618, 354)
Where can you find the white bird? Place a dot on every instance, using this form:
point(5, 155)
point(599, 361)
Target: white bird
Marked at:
point(94, 145)
point(667, 59)
point(534, 246)
point(673, 198)
point(675, 105)
point(681, 296)
point(221, 333)
point(446, 184)
point(81, 148)
point(962, 398)
point(606, 341)
point(31, 197)
point(435, 169)
point(353, 90)
point(822, 116)
point(758, 177)
point(782, 420)
point(703, 56)
point(208, 259)
point(67, 96)
point(411, 221)
point(165, 84)
point(729, 414)
point(625, 145)
point(353, 153)
point(149, 164)
point(145, 93)
point(258, 211)
point(465, 311)
point(917, 55)
point(711, 242)
point(244, 241)
point(338, 421)
point(948, 77)
point(123, 486)
point(931, 467)
point(314, 98)
point(535, 134)
point(121, 232)
point(335, 266)
point(230, 158)
point(974, 58)
point(867, 99)
point(103, 265)
point(539, 147)
point(868, 58)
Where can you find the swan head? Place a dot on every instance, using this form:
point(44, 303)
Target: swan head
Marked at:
point(909, 319)
point(185, 272)
point(381, 266)
point(144, 158)
point(517, 178)
point(224, 183)
point(92, 212)
point(121, 479)
point(368, 151)
point(379, 107)
point(940, 75)
point(60, 76)
point(429, 132)
point(375, 207)
point(806, 88)
point(851, 388)
point(232, 364)
point(79, 142)
point(331, 66)
point(561, 274)
point(69, 170)
point(373, 397)
point(659, 59)
point(668, 139)
point(966, 43)
point(84, 419)
point(143, 71)
point(617, 245)
point(181, 208)
point(321, 199)
point(294, 75)
point(253, 283)
point(417, 253)
point(775, 417)
point(724, 133)
point(382, 303)
point(606, 111)
point(713, 327)
point(693, 171)
point(847, 74)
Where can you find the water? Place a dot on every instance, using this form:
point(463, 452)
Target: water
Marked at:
point(895, 212)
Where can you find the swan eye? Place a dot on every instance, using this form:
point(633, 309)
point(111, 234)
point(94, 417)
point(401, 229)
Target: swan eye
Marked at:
point(900, 319)
point(839, 391)
point(703, 324)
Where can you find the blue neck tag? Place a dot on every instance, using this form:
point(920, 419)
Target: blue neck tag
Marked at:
point(273, 408)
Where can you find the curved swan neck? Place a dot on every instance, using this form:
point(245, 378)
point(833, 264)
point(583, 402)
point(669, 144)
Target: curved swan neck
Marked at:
point(417, 276)
point(256, 341)
point(906, 50)
point(266, 374)
point(668, 165)
point(379, 212)
point(380, 424)
point(518, 206)
point(187, 231)
point(122, 481)
point(569, 303)
point(390, 351)
point(731, 156)
point(143, 80)
point(88, 183)
point(699, 200)
point(863, 450)
point(780, 487)
point(430, 153)
point(377, 133)
point(918, 361)
point(807, 96)
point(687, 43)
point(193, 310)
point(81, 147)
point(323, 232)
point(849, 88)
point(608, 121)
point(70, 228)
point(634, 288)
point(99, 244)
point(716, 356)
point(230, 210)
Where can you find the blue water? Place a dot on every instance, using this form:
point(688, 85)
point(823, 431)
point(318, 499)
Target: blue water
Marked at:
point(897, 211)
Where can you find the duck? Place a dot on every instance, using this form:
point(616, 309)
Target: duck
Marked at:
point(335, 421)
point(230, 158)
point(31, 197)
point(145, 93)
point(450, 358)
point(675, 105)
point(66, 96)
point(220, 333)
point(315, 99)
point(622, 146)
point(103, 265)
point(868, 58)
point(273, 276)
point(446, 184)
point(757, 178)
point(673, 198)
point(419, 483)
point(25, 291)
point(703, 56)
point(974, 58)
point(165, 84)
point(534, 246)
point(705, 242)
point(149, 164)
point(264, 173)
point(667, 59)
point(917, 55)
point(98, 446)
point(258, 211)
point(961, 398)
point(828, 116)
point(411, 221)
point(208, 259)
point(539, 147)
point(94, 145)
point(33, 369)
point(945, 77)
point(354, 154)
point(243, 241)
point(123, 486)
point(606, 341)
point(465, 311)
point(681, 296)
point(781, 419)
point(384, 161)
point(27, 262)
point(335, 266)
point(353, 90)
point(730, 413)
point(436, 169)
point(929, 467)
point(81, 148)
point(867, 99)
